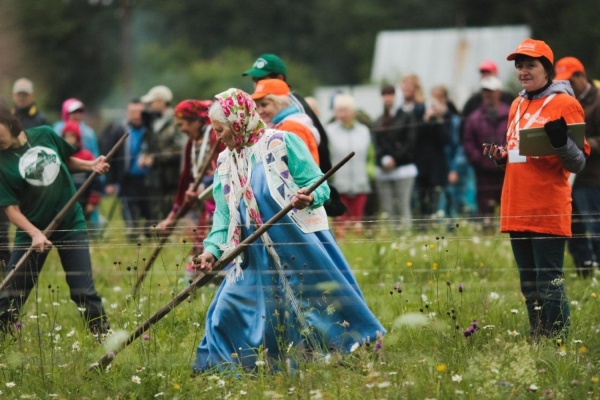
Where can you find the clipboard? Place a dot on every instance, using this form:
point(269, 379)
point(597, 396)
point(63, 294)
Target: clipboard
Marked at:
point(535, 141)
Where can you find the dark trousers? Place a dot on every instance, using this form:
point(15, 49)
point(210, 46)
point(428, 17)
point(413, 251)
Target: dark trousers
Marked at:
point(540, 260)
point(585, 243)
point(4, 242)
point(136, 204)
point(75, 259)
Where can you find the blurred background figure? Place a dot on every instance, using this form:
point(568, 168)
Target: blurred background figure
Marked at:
point(90, 198)
point(346, 134)
point(24, 107)
point(74, 110)
point(432, 138)
point(458, 196)
point(165, 147)
point(584, 246)
point(487, 124)
point(486, 68)
point(394, 136)
point(128, 178)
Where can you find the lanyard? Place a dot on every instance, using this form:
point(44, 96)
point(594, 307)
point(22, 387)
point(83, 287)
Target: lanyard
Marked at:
point(532, 119)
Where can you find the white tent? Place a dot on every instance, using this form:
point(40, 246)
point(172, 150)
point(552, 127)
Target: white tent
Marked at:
point(449, 57)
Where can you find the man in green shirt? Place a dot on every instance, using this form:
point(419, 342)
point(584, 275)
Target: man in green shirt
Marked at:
point(35, 184)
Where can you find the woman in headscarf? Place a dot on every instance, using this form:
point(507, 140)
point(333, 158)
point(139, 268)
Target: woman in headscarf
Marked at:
point(191, 118)
point(292, 289)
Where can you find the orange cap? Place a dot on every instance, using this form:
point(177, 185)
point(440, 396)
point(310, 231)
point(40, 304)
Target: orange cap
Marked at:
point(533, 48)
point(270, 86)
point(566, 67)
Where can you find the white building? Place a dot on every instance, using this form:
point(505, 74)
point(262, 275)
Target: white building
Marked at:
point(448, 57)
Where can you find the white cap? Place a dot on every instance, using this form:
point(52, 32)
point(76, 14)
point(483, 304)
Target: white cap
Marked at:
point(491, 83)
point(160, 92)
point(23, 85)
point(74, 106)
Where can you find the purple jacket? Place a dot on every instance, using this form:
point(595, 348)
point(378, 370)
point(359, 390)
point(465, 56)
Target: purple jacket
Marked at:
point(480, 127)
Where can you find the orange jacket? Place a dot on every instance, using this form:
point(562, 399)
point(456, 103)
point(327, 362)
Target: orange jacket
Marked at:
point(304, 133)
point(536, 195)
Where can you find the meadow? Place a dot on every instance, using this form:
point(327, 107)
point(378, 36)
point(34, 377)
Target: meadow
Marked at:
point(448, 297)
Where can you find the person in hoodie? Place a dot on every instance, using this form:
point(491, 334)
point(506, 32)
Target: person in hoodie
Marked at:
point(536, 195)
point(272, 97)
point(90, 199)
point(74, 110)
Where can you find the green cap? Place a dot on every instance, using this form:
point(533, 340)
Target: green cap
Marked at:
point(265, 65)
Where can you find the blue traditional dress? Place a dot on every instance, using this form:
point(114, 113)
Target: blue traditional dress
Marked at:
point(297, 293)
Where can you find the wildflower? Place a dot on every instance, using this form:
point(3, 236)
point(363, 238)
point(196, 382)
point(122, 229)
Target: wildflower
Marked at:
point(582, 350)
point(409, 264)
point(434, 266)
point(57, 328)
point(537, 308)
point(595, 379)
point(594, 295)
point(55, 303)
point(398, 287)
point(489, 327)
point(494, 296)
point(136, 379)
point(384, 385)
point(259, 363)
point(243, 392)
point(81, 309)
point(76, 346)
point(10, 384)
point(146, 337)
point(432, 246)
point(513, 333)
point(574, 302)
point(456, 378)
point(159, 394)
point(160, 375)
point(71, 333)
point(461, 288)
point(532, 388)
point(176, 386)
point(354, 347)
point(345, 324)
point(17, 325)
point(558, 281)
point(117, 289)
point(514, 311)
point(441, 368)
point(470, 331)
point(574, 382)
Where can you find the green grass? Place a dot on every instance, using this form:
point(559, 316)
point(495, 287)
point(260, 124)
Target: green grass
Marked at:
point(411, 283)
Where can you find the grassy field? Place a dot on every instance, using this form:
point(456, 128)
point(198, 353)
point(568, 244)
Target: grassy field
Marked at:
point(427, 289)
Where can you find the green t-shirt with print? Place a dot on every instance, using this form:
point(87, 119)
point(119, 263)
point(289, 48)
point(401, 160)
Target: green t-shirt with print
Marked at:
point(36, 178)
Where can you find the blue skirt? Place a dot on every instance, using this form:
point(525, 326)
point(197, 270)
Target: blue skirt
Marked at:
point(252, 319)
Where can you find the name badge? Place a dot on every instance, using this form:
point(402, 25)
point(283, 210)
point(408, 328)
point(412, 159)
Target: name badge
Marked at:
point(514, 157)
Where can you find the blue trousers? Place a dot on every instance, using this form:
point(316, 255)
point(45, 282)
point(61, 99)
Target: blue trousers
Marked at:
point(540, 260)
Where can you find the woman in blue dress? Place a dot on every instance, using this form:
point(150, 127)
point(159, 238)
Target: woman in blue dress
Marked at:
point(292, 290)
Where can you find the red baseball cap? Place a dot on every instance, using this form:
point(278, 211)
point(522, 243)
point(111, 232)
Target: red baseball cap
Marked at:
point(488, 66)
point(566, 67)
point(533, 48)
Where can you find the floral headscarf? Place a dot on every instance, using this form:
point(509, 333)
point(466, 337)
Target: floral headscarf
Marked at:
point(240, 110)
point(247, 128)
